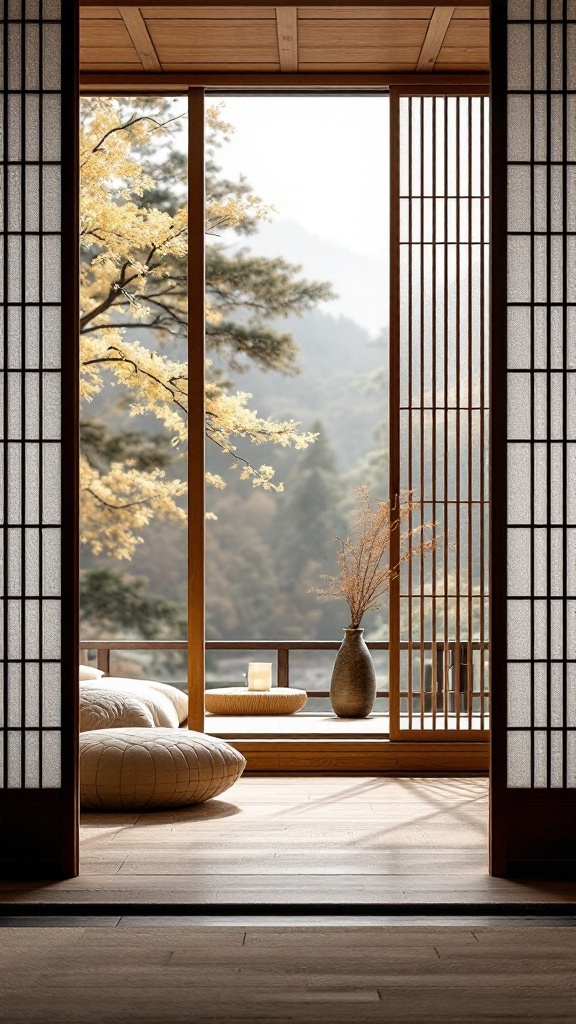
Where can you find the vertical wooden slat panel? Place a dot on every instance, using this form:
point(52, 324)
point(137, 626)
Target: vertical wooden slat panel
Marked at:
point(196, 409)
point(438, 618)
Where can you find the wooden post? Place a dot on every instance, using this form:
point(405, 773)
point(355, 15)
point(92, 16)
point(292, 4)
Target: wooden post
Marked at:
point(394, 418)
point(196, 408)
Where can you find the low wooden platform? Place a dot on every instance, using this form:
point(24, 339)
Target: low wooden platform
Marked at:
point(303, 724)
point(294, 840)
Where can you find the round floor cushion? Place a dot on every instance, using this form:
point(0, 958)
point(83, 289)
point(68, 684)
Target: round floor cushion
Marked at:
point(238, 700)
point(142, 769)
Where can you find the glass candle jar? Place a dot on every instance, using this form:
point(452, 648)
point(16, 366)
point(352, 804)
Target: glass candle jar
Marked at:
point(259, 675)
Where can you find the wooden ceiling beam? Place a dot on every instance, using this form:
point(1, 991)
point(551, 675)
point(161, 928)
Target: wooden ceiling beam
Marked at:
point(110, 83)
point(287, 28)
point(437, 29)
point(140, 36)
point(266, 3)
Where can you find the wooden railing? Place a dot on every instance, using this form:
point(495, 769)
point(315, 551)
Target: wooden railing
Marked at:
point(282, 649)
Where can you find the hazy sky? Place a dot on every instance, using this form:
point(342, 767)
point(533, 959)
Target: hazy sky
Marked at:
point(322, 161)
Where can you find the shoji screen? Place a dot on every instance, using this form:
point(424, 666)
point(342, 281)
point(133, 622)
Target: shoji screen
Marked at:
point(534, 433)
point(439, 410)
point(38, 455)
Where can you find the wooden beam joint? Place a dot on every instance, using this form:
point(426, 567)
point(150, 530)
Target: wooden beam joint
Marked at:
point(140, 36)
point(437, 29)
point(287, 29)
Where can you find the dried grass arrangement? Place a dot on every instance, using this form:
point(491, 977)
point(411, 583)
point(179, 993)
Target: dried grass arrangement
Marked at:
point(362, 578)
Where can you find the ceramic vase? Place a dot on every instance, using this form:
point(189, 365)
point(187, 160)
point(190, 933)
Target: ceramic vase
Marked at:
point(353, 684)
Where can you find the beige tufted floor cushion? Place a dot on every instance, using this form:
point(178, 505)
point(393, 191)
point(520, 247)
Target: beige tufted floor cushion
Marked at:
point(145, 769)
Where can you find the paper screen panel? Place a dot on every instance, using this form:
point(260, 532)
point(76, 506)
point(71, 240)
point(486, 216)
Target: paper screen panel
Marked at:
point(541, 394)
point(30, 419)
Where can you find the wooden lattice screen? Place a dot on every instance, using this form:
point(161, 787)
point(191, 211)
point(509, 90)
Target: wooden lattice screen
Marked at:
point(439, 411)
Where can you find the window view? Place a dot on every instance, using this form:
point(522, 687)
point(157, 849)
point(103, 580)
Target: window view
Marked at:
point(133, 379)
point(297, 404)
point(297, 348)
point(297, 337)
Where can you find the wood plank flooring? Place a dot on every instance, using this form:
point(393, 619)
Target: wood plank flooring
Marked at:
point(298, 840)
point(217, 975)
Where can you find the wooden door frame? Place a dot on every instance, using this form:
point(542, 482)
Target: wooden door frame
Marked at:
point(274, 754)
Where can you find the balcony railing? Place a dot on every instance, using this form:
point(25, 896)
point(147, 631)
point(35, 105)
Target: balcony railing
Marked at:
point(445, 685)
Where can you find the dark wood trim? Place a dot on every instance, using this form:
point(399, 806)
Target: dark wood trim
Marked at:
point(265, 3)
point(498, 434)
point(446, 85)
point(118, 83)
point(196, 408)
point(70, 437)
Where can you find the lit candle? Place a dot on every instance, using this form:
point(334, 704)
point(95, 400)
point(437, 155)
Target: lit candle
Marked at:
point(259, 675)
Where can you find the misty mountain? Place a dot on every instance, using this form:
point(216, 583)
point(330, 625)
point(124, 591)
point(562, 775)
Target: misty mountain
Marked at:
point(341, 382)
point(360, 280)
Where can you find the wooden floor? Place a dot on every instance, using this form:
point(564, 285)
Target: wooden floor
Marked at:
point(217, 975)
point(298, 840)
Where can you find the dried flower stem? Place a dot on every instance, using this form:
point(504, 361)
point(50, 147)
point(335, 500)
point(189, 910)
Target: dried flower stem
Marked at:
point(361, 579)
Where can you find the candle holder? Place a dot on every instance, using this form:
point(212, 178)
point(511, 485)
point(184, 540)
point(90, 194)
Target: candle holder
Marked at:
point(260, 675)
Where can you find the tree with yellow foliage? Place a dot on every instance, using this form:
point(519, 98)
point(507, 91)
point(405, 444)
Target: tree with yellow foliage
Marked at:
point(133, 278)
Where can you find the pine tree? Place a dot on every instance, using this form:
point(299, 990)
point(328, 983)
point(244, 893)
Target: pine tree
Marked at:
point(133, 283)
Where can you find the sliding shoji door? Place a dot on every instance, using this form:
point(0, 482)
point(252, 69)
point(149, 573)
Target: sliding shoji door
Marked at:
point(534, 436)
point(439, 411)
point(38, 444)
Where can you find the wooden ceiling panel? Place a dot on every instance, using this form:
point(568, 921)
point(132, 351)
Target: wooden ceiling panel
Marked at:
point(366, 41)
point(360, 31)
point(466, 33)
point(335, 58)
point(188, 41)
point(230, 66)
point(99, 13)
point(204, 13)
point(354, 13)
point(359, 68)
point(101, 58)
point(391, 39)
point(106, 32)
point(452, 58)
point(471, 13)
